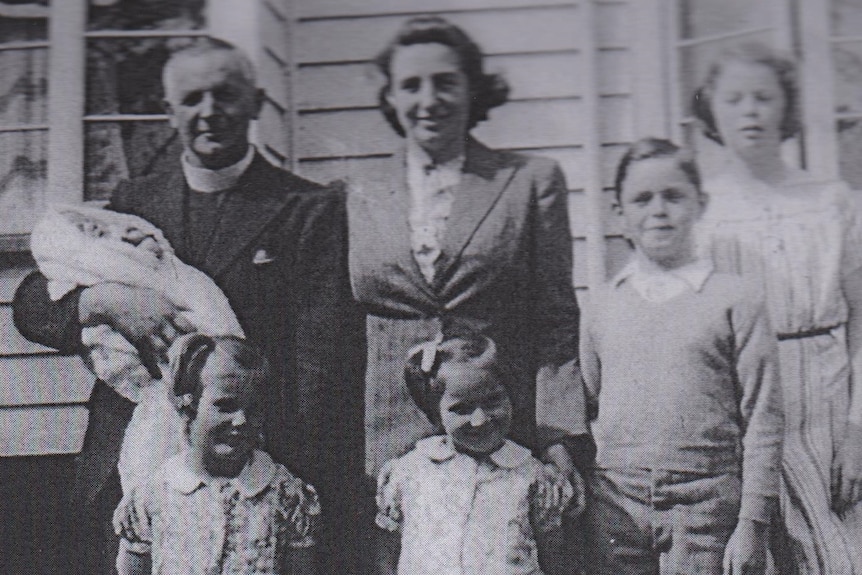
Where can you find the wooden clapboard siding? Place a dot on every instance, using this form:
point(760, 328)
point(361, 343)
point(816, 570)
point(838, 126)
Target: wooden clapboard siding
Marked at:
point(44, 381)
point(536, 45)
point(531, 76)
point(347, 8)
point(12, 343)
point(42, 394)
point(42, 430)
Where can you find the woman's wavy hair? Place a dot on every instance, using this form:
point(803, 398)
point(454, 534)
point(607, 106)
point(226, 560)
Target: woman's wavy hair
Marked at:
point(487, 91)
point(422, 369)
point(749, 53)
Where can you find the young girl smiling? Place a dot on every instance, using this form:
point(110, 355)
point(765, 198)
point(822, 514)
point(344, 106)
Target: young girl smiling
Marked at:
point(469, 500)
point(222, 505)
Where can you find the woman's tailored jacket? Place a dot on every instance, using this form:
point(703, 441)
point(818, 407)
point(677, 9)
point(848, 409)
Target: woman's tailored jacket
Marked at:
point(505, 270)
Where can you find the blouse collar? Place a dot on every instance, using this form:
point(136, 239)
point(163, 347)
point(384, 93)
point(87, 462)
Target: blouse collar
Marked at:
point(439, 449)
point(254, 477)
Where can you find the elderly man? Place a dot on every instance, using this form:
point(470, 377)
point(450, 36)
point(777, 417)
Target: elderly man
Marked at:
point(276, 245)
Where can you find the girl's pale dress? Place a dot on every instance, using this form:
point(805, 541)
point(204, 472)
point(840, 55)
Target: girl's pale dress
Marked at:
point(801, 241)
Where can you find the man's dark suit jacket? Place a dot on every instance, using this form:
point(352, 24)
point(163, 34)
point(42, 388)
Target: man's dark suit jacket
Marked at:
point(280, 255)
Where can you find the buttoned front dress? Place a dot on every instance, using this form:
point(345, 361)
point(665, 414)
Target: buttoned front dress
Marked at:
point(458, 515)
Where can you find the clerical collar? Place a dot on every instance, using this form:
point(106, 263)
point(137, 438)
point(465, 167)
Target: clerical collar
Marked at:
point(210, 181)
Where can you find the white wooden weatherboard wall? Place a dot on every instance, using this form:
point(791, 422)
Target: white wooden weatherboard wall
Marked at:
point(41, 393)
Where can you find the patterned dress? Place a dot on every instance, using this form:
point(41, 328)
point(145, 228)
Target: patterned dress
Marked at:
point(461, 516)
point(245, 525)
point(801, 241)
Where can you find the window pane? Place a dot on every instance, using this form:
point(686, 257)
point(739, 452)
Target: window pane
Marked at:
point(26, 21)
point(22, 179)
point(115, 151)
point(846, 17)
point(23, 86)
point(708, 17)
point(146, 15)
point(23, 71)
point(848, 78)
point(124, 75)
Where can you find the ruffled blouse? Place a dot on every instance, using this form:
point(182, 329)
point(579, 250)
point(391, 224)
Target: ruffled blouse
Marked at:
point(431, 201)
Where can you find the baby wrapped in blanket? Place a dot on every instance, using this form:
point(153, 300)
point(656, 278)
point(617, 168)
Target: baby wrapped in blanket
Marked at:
point(82, 246)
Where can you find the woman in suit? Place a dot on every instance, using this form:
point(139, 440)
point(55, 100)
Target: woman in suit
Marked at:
point(454, 235)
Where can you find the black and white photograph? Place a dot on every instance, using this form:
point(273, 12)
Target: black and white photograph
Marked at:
point(431, 287)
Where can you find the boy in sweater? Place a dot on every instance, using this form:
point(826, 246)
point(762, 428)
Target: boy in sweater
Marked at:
point(683, 396)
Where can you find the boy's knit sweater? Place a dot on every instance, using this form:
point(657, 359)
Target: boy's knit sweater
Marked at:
point(689, 384)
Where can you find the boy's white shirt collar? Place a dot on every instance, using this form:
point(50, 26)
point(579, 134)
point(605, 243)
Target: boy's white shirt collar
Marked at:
point(661, 285)
point(253, 478)
point(211, 181)
point(439, 449)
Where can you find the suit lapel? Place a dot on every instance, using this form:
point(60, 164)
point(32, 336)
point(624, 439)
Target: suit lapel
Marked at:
point(247, 211)
point(482, 183)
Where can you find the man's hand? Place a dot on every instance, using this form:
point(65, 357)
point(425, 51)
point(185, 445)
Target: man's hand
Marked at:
point(745, 553)
point(847, 470)
point(143, 316)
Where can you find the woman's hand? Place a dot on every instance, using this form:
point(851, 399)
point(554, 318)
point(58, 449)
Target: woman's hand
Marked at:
point(745, 553)
point(847, 470)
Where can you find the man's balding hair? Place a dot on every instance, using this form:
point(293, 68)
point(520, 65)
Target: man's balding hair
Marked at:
point(206, 45)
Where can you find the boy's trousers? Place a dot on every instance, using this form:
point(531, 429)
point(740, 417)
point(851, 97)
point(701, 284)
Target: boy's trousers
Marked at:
point(653, 522)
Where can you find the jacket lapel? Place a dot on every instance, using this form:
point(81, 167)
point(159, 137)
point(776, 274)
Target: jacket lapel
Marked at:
point(247, 211)
point(482, 183)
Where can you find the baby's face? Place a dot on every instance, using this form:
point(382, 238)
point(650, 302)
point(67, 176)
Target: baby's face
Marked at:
point(100, 229)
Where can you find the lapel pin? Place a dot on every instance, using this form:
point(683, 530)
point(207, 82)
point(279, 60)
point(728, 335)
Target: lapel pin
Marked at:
point(262, 257)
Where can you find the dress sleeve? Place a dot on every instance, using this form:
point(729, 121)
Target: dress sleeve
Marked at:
point(300, 512)
point(851, 218)
point(549, 496)
point(559, 391)
point(389, 493)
